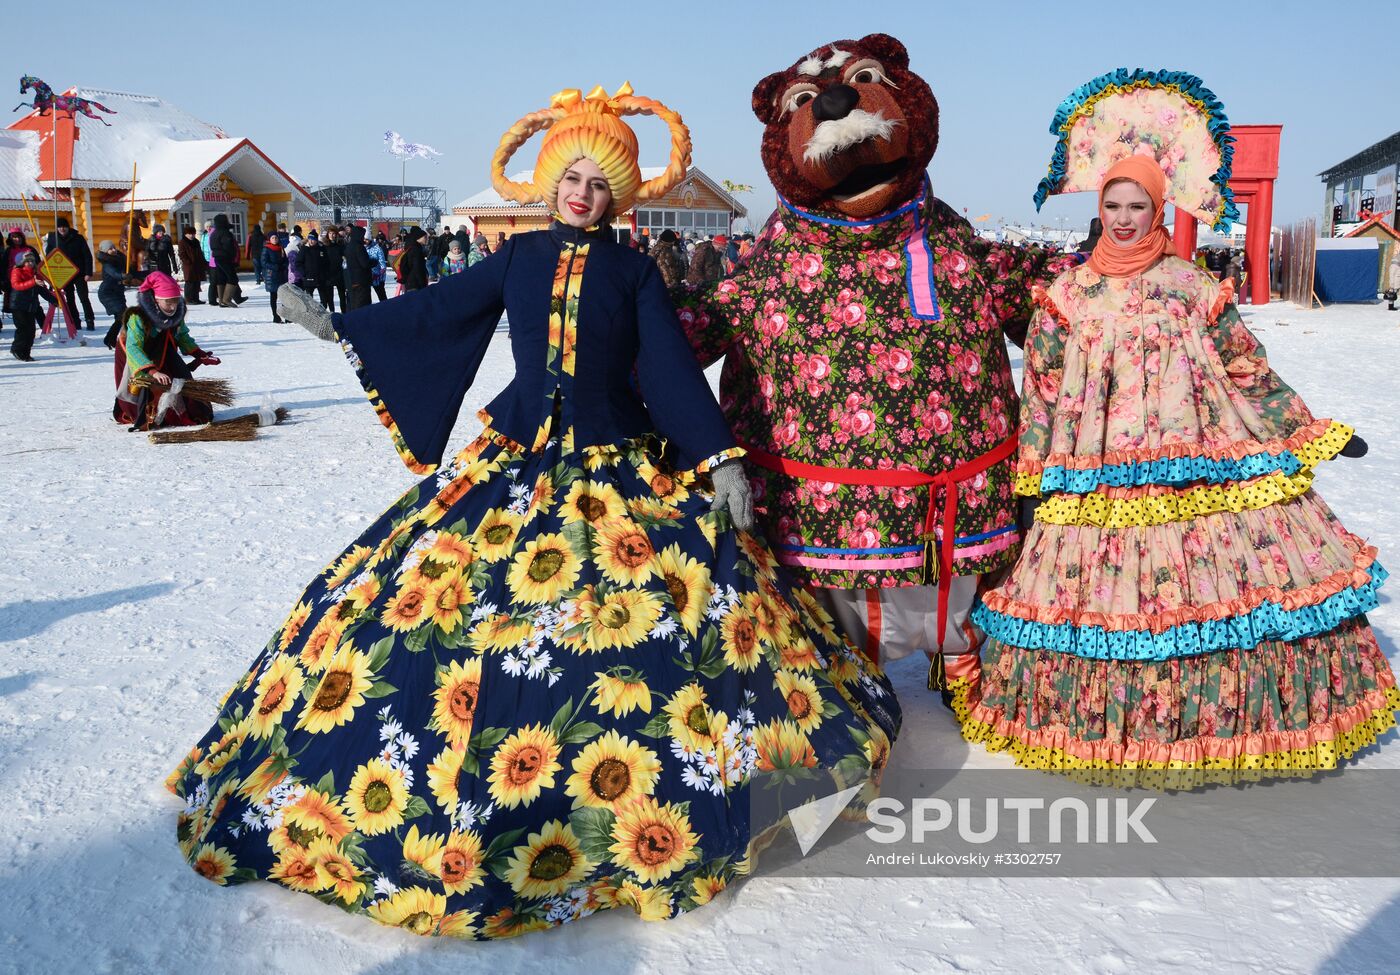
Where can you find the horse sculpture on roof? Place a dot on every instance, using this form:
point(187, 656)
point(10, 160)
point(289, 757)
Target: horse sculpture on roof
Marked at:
point(45, 101)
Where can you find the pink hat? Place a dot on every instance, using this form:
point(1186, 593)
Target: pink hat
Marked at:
point(162, 284)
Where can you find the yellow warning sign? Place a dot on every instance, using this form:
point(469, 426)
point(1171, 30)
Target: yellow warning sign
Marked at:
point(58, 269)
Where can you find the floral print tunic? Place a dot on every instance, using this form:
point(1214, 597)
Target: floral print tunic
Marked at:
point(872, 347)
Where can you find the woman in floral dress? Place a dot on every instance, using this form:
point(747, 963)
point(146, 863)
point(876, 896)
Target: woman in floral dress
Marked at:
point(1184, 601)
point(544, 682)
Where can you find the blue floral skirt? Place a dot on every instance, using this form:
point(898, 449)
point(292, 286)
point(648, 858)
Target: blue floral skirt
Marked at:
point(543, 684)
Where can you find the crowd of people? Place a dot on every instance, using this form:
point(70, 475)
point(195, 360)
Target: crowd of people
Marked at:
point(340, 265)
point(1226, 263)
point(690, 259)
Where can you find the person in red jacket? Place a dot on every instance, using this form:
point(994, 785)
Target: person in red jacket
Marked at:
point(25, 288)
point(15, 248)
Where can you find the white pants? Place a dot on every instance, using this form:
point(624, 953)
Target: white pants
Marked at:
point(892, 623)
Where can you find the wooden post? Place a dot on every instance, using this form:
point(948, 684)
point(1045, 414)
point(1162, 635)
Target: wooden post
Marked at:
point(85, 224)
point(33, 227)
point(54, 191)
point(131, 219)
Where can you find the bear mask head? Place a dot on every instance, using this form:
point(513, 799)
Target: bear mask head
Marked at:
point(848, 130)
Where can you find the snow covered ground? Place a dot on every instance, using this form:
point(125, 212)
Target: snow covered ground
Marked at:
point(139, 581)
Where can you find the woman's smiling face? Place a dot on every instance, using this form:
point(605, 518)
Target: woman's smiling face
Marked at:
point(584, 194)
point(1126, 212)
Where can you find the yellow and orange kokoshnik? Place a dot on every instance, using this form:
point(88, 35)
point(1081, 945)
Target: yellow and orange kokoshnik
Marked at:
point(591, 126)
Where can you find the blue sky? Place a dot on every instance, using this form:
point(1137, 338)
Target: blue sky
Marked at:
point(316, 84)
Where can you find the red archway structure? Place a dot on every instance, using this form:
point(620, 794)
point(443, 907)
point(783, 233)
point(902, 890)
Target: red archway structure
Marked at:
point(1252, 178)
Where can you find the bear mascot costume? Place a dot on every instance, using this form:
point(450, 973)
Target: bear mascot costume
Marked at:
point(865, 366)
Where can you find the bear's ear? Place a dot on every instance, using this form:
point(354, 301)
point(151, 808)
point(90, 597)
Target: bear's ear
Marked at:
point(763, 94)
point(885, 49)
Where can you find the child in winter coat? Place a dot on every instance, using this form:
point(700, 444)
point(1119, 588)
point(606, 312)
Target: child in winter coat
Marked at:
point(112, 291)
point(155, 341)
point(274, 266)
point(376, 251)
point(455, 262)
point(25, 288)
point(293, 249)
point(15, 248)
point(479, 251)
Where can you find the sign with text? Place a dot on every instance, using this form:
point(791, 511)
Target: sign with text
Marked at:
point(59, 269)
point(1016, 822)
point(1385, 190)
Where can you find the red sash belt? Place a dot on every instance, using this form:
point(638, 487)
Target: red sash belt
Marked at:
point(944, 484)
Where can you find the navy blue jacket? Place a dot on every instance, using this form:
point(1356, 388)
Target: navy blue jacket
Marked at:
point(418, 353)
point(274, 261)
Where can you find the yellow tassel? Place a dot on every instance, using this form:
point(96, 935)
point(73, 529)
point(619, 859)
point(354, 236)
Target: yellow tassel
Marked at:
point(937, 673)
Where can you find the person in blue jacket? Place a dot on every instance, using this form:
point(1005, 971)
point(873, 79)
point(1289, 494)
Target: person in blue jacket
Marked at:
point(273, 262)
point(545, 682)
point(379, 265)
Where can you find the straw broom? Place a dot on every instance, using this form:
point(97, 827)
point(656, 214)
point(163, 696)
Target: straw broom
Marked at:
point(237, 428)
point(216, 392)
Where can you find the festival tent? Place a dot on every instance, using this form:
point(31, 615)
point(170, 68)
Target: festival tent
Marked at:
point(1348, 269)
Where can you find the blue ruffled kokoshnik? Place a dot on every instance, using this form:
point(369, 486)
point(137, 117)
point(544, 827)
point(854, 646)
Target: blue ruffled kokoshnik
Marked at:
point(1187, 84)
point(1268, 621)
point(1168, 472)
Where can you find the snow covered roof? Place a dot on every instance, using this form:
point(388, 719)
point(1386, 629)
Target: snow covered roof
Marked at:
point(168, 173)
point(174, 153)
point(19, 165)
point(489, 199)
point(183, 168)
point(144, 129)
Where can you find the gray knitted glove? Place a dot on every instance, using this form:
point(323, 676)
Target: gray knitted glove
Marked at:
point(732, 493)
point(296, 305)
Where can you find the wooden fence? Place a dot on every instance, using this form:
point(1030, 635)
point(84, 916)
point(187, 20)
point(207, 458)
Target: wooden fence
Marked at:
point(1299, 258)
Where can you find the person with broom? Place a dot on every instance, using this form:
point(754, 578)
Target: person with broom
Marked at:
point(150, 369)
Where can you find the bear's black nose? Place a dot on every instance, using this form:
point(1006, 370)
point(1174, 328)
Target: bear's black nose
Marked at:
point(836, 102)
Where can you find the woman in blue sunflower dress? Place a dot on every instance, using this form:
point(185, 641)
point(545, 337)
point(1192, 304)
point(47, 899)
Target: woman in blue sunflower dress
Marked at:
point(546, 682)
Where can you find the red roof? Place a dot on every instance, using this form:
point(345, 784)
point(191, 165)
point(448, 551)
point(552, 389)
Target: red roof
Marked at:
point(1379, 220)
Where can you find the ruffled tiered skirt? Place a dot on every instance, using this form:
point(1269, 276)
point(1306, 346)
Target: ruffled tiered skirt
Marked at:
point(1182, 617)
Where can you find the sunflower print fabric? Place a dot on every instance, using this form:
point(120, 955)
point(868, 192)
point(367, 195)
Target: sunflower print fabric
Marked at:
point(541, 685)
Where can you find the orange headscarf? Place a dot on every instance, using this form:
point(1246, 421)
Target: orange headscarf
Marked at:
point(1115, 261)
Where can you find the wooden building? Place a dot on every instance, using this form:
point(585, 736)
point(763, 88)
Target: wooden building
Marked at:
point(697, 205)
point(186, 172)
point(1387, 238)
